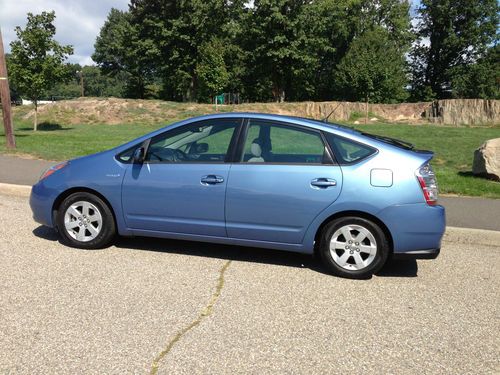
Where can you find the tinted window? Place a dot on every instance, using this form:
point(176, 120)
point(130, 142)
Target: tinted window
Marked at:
point(348, 151)
point(275, 143)
point(206, 141)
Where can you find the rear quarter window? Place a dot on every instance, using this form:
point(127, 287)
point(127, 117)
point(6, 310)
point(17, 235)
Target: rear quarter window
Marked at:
point(348, 151)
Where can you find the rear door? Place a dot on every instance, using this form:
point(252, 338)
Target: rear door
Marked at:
point(284, 178)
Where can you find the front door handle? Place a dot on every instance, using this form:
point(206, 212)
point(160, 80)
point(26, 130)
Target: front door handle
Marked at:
point(211, 179)
point(323, 183)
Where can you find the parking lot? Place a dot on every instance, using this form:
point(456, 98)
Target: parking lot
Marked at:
point(175, 307)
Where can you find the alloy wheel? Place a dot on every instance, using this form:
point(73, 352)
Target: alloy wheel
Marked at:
point(83, 221)
point(353, 247)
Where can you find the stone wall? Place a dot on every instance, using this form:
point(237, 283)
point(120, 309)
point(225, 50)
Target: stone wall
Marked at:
point(343, 111)
point(475, 112)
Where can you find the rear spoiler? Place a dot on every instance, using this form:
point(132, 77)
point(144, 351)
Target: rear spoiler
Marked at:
point(424, 155)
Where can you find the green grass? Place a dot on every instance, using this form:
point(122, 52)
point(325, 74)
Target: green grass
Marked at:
point(66, 142)
point(454, 147)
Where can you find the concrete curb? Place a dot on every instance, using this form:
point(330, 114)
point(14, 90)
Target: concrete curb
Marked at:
point(471, 236)
point(453, 234)
point(22, 191)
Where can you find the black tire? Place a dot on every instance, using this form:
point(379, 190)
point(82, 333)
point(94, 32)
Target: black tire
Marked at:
point(349, 270)
point(106, 228)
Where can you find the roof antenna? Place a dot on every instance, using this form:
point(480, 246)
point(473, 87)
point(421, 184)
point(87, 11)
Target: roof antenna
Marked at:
point(331, 113)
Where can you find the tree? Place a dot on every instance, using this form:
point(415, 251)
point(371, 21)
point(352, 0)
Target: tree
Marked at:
point(172, 33)
point(373, 69)
point(37, 60)
point(95, 83)
point(274, 47)
point(211, 70)
point(119, 49)
point(451, 34)
point(295, 46)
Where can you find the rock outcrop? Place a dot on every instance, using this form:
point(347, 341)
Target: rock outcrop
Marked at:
point(487, 160)
point(475, 112)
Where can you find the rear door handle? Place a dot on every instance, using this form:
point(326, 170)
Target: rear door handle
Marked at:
point(323, 183)
point(212, 179)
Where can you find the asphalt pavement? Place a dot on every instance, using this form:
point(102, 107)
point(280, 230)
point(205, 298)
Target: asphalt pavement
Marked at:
point(462, 212)
point(22, 171)
point(172, 307)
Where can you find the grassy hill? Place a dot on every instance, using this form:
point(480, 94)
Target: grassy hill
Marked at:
point(79, 127)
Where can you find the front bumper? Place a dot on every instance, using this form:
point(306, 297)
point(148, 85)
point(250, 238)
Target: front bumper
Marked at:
point(41, 203)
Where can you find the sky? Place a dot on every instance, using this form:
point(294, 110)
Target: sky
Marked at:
point(77, 21)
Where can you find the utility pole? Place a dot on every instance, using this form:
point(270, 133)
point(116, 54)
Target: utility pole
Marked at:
point(5, 97)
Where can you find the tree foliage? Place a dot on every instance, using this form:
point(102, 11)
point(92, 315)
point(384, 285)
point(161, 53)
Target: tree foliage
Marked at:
point(373, 69)
point(37, 61)
point(119, 49)
point(95, 83)
point(452, 34)
point(211, 70)
point(480, 79)
point(171, 34)
point(301, 49)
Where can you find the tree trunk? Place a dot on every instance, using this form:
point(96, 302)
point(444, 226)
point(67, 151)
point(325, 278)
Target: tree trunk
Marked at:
point(366, 110)
point(35, 125)
point(278, 94)
point(190, 93)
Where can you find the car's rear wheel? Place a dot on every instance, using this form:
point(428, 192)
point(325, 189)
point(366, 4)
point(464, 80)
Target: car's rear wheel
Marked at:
point(85, 221)
point(353, 247)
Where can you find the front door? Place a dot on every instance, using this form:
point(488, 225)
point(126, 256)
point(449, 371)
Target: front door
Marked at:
point(181, 186)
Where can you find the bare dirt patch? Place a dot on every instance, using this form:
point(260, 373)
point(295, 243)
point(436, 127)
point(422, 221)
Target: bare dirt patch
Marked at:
point(114, 111)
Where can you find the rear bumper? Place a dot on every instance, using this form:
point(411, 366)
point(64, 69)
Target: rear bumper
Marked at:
point(417, 254)
point(416, 229)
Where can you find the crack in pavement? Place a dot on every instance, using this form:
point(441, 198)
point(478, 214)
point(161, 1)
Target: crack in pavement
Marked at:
point(207, 311)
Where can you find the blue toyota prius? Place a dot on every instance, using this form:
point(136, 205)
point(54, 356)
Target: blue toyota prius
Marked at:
point(255, 180)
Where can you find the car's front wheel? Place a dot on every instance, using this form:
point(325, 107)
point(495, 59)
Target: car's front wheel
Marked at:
point(353, 247)
point(85, 221)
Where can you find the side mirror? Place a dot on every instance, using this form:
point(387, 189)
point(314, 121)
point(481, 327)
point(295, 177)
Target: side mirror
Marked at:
point(139, 155)
point(201, 148)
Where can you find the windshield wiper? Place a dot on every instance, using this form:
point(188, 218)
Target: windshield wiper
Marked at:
point(393, 141)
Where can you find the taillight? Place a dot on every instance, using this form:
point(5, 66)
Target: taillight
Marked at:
point(52, 169)
point(428, 183)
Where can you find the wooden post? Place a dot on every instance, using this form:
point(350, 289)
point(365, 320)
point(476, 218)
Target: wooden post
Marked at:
point(5, 97)
point(81, 84)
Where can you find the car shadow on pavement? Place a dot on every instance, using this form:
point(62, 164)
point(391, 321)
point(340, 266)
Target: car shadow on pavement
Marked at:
point(46, 233)
point(399, 268)
point(393, 268)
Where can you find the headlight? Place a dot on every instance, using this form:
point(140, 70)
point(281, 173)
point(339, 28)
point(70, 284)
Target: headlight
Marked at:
point(52, 169)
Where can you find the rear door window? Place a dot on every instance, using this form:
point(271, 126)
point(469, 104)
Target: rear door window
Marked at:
point(268, 142)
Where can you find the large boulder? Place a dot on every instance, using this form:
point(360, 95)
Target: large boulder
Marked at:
point(487, 159)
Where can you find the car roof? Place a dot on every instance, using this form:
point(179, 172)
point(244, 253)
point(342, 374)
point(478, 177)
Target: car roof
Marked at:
point(317, 124)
